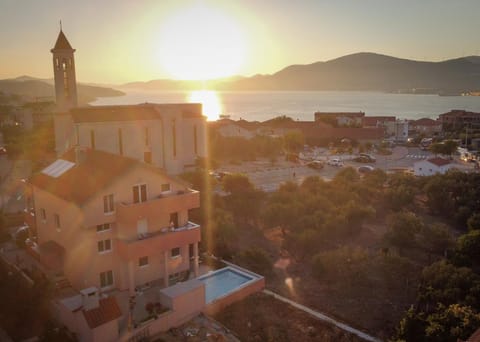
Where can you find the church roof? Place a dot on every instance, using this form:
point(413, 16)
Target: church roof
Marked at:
point(62, 42)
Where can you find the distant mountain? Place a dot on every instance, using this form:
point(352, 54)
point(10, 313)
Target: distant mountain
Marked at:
point(31, 87)
point(361, 71)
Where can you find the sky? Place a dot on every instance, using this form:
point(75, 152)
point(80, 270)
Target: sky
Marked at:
point(119, 41)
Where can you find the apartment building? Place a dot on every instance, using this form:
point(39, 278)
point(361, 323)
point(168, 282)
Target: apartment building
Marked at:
point(112, 222)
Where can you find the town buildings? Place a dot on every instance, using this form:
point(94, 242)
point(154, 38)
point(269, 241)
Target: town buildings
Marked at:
point(341, 119)
point(459, 119)
point(425, 126)
point(432, 166)
point(109, 213)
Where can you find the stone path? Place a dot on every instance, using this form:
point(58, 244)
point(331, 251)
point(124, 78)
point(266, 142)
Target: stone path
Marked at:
point(324, 317)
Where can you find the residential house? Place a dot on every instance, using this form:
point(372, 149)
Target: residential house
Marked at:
point(425, 126)
point(112, 222)
point(459, 119)
point(230, 128)
point(432, 166)
point(377, 121)
point(398, 130)
point(341, 119)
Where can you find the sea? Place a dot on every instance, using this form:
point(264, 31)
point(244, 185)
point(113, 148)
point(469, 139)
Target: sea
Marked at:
point(301, 105)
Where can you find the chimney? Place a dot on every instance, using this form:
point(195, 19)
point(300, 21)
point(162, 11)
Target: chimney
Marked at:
point(90, 298)
point(80, 154)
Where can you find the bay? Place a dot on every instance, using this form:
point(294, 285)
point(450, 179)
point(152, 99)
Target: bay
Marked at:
point(301, 105)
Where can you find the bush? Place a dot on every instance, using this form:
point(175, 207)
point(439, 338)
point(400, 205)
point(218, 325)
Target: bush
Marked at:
point(257, 260)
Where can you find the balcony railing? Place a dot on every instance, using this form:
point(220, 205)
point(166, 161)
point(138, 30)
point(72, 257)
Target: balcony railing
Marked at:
point(166, 230)
point(164, 196)
point(157, 241)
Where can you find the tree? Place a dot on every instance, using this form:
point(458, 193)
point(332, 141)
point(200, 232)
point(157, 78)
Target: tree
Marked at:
point(294, 141)
point(467, 251)
point(257, 260)
point(243, 200)
point(220, 234)
point(443, 282)
point(473, 221)
point(399, 197)
point(403, 227)
point(437, 238)
point(346, 176)
point(451, 323)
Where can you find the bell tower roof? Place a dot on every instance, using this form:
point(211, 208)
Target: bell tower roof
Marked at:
point(62, 42)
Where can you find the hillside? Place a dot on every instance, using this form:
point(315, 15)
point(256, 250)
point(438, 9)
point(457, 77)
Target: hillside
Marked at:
point(31, 87)
point(360, 71)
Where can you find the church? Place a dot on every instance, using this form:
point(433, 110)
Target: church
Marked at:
point(168, 136)
point(109, 218)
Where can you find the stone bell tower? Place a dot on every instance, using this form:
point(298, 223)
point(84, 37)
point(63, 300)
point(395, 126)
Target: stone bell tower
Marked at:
point(64, 74)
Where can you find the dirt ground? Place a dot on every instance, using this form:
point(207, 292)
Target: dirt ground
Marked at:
point(260, 317)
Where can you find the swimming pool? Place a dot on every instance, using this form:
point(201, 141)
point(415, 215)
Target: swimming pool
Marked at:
point(224, 281)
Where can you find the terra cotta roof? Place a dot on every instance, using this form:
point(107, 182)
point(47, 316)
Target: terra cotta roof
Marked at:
point(146, 111)
point(78, 184)
point(62, 42)
point(107, 311)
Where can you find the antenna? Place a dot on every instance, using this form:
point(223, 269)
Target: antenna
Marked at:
point(60, 25)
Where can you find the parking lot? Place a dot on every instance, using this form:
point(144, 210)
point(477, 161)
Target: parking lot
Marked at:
point(268, 176)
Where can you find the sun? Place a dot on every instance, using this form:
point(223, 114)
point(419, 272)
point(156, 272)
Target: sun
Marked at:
point(200, 43)
point(212, 107)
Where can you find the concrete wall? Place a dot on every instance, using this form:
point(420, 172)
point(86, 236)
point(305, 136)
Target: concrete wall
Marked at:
point(221, 303)
point(107, 332)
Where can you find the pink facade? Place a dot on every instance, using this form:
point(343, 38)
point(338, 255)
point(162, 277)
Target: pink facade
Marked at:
point(127, 244)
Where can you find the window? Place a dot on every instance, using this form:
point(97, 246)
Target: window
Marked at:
point(175, 252)
point(147, 137)
point(174, 139)
point(108, 204)
point(56, 219)
point(143, 261)
point(120, 142)
point(147, 157)
point(103, 227)
point(106, 278)
point(195, 147)
point(104, 246)
point(165, 187)
point(92, 139)
point(174, 220)
point(43, 215)
point(140, 193)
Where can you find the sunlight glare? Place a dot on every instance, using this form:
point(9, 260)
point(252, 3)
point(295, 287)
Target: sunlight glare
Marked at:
point(200, 43)
point(212, 107)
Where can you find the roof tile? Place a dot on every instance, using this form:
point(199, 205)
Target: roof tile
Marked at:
point(107, 311)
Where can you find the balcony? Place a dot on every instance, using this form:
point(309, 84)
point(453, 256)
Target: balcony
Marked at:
point(161, 240)
point(29, 217)
point(156, 208)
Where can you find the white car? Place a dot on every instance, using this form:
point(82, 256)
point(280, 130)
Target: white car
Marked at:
point(335, 162)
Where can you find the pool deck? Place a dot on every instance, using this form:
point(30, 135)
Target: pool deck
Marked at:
point(256, 284)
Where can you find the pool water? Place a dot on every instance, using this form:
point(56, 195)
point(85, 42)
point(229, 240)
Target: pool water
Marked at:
point(222, 282)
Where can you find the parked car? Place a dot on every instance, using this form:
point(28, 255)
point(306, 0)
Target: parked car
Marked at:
point(365, 158)
point(365, 169)
point(335, 162)
point(315, 164)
